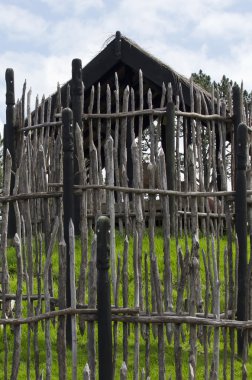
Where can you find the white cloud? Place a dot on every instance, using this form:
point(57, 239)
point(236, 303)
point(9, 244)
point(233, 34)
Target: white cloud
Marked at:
point(72, 6)
point(21, 24)
point(184, 36)
point(68, 37)
point(225, 26)
point(42, 77)
point(180, 13)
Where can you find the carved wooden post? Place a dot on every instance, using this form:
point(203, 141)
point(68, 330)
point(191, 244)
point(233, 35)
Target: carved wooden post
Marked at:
point(68, 200)
point(9, 141)
point(241, 226)
point(77, 89)
point(77, 94)
point(103, 299)
point(237, 119)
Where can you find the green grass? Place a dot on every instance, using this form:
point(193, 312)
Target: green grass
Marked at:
point(82, 349)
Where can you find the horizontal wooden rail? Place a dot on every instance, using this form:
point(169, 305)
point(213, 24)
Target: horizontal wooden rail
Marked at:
point(205, 194)
point(118, 115)
point(79, 189)
point(27, 196)
point(179, 319)
point(51, 184)
point(159, 214)
point(213, 117)
point(154, 111)
point(33, 297)
point(121, 315)
point(155, 191)
point(157, 112)
point(42, 125)
point(114, 310)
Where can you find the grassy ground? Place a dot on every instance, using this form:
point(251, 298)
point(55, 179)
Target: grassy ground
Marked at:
point(82, 351)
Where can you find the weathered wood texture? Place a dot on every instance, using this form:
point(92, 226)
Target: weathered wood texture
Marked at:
point(158, 208)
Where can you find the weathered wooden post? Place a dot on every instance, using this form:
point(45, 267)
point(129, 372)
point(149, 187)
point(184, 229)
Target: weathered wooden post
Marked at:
point(168, 144)
point(237, 119)
point(77, 89)
point(103, 299)
point(77, 95)
point(68, 200)
point(9, 141)
point(129, 159)
point(241, 227)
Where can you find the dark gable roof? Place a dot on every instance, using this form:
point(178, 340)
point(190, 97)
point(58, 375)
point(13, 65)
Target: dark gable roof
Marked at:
point(123, 51)
point(125, 57)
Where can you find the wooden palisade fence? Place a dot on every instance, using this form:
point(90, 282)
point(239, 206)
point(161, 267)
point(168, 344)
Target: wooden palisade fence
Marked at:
point(175, 276)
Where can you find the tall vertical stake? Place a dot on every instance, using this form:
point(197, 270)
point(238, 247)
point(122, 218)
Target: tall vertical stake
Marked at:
point(68, 200)
point(77, 94)
point(9, 141)
point(168, 144)
point(103, 299)
point(241, 226)
point(237, 119)
point(129, 158)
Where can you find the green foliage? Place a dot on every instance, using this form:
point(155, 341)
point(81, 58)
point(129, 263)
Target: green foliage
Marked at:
point(203, 80)
point(82, 346)
point(223, 86)
point(206, 82)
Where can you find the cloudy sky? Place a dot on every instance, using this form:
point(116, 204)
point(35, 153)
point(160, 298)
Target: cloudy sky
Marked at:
point(39, 38)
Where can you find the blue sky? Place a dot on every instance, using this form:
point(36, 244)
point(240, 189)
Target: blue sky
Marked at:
point(39, 38)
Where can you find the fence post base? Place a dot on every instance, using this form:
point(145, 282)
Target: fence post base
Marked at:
point(241, 228)
point(68, 201)
point(103, 299)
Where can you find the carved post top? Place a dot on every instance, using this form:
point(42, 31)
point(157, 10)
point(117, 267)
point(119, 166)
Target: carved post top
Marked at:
point(118, 35)
point(67, 121)
point(237, 108)
point(241, 152)
point(118, 43)
point(103, 243)
point(10, 91)
point(76, 83)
